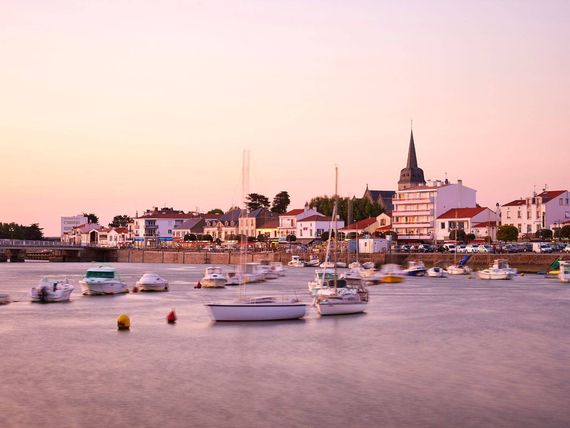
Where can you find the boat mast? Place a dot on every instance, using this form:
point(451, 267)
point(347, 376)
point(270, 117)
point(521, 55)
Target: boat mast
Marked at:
point(335, 209)
point(243, 212)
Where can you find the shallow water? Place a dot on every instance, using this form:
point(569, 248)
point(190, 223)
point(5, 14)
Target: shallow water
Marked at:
point(428, 352)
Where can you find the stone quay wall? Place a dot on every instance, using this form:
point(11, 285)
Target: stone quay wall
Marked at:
point(524, 262)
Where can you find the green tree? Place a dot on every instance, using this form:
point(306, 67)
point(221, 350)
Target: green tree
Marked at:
point(565, 232)
point(291, 238)
point(280, 202)
point(207, 237)
point(361, 208)
point(255, 201)
point(507, 233)
point(120, 221)
point(262, 237)
point(18, 231)
point(91, 218)
point(544, 234)
point(215, 211)
point(190, 237)
point(470, 237)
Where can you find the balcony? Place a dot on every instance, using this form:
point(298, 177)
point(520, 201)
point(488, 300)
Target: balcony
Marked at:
point(405, 213)
point(424, 237)
point(409, 225)
point(396, 201)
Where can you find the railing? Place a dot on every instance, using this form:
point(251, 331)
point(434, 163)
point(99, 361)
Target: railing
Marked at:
point(26, 243)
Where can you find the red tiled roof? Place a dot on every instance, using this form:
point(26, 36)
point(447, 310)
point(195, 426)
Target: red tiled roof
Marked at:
point(515, 203)
point(121, 230)
point(316, 217)
point(361, 224)
point(384, 228)
point(295, 212)
point(462, 212)
point(547, 195)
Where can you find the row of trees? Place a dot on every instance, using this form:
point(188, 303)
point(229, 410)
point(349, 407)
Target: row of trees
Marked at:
point(19, 231)
point(361, 208)
point(279, 205)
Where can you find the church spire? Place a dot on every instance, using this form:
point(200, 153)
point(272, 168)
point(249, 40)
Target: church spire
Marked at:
point(411, 175)
point(412, 159)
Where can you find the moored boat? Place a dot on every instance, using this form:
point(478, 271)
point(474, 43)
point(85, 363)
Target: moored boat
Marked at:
point(102, 280)
point(415, 268)
point(213, 278)
point(52, 290)
point(436, 272)
point(494, 273)
point(296, 261)
point(152, 282)
point(257, 309)
point(391, 274)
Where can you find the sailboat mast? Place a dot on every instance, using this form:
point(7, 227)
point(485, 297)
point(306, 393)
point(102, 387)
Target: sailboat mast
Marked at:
point(243, 212)
point(335, 226)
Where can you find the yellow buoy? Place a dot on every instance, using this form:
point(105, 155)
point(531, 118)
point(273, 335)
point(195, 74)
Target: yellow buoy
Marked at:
point(522, 274)
point(123, 322)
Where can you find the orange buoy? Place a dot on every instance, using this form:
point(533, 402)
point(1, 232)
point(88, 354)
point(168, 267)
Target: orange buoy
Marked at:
point(123, 322)
point(171, 317)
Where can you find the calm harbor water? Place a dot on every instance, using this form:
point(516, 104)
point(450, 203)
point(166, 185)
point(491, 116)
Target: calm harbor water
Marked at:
point(428, 352)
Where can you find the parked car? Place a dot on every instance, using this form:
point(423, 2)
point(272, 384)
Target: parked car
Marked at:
point(485, 249)
point(449, 247)
point(406, 248)
point(567, 249)
point(461, 248)
point(470, 248)
point(538, 247)
point(425, 248)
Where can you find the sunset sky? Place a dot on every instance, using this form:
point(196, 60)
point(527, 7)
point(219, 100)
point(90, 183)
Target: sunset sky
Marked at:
point(111, 106)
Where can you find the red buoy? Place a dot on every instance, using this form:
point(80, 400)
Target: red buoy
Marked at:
point(198, 285)
point(171, 317)
point(135, 289)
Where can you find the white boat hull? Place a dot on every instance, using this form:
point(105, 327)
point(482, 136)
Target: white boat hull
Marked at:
point(92, 288)
point(495, 275)
point(340, 308)
point(256, 312)
point(458, 270)
point(152, 286)
point(50, 296)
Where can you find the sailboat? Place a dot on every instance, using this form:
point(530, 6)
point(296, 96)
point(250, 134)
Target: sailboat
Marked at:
point(256, 308)
point(335, 297)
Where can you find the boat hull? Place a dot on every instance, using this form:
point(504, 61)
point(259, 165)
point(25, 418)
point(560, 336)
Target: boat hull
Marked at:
point(152, 286)
point(392, 279)
point(213, 282)
point(341, 308)
point(256, 312)
point(495, 275)
point(103, 288)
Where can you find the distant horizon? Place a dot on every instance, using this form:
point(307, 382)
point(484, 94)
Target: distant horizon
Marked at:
point(114, 107)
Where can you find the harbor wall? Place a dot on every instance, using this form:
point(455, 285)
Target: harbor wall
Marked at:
point(524, 262)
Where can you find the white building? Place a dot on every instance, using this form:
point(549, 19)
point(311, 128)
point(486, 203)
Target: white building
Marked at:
point(466, 219)
point(373, 245)
point(288, 221)
point(314, 226)
point(417, 208)
point(68, 223)
point(540, 211)
point(155, 227)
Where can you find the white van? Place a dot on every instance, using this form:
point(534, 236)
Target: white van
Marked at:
point(449, 247)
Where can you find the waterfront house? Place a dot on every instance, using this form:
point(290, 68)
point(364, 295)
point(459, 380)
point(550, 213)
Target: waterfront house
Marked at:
point(250, 222)
point(288, 221)
point(225, 227)
point(463, 219)
point(269, 228)
point(536, 212)
point(193, 226)
point(155, 227)
point(312, 227)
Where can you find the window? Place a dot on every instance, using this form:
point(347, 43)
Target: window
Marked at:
point(528, 228)
point(519, 227)
point(442, 225)
point(560, 201)
point(519, 214)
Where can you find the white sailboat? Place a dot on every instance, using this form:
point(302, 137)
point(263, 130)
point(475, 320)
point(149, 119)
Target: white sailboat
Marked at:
point(335, 297)
point(254, 309)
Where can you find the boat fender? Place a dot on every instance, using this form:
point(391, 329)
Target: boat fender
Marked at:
point(123, 322)
point(171, 317)
point(198, 285)
point(135, 289)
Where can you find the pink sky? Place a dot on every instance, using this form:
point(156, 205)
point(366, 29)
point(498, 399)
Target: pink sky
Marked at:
point(116, 106)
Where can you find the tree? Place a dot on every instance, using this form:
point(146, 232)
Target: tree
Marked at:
point(262, 237)
point(255, 201)
point(208, 237)
point(361, 208)
point(91, 218)
point(507, 233)
point(565, 232)
point(291, 238)
point(325, 235)
point(544, 234)
point(190, 237)
point(19, 231)
point(470, 237)
point(120, 221)
point(280, 202)
point(215, 211)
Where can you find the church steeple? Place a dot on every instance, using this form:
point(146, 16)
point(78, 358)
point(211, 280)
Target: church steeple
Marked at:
point(411, 175)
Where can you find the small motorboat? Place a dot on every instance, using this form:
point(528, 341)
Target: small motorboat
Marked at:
point(458, 270)
point(415, 268)
point(504, 265)
point(436, 272)
point(321, 275)
point(296, 262)
point(336, 297)
point(355, 265)
point(234, 278)
point(152, 282)
point(391, 274)
point(102, 280)
point(52, 290)
point(564, 274)
point(328, 265)
point(494, 273)
point(368, 265)
point(314, 262)
point(213, 278)
point(268, 272)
